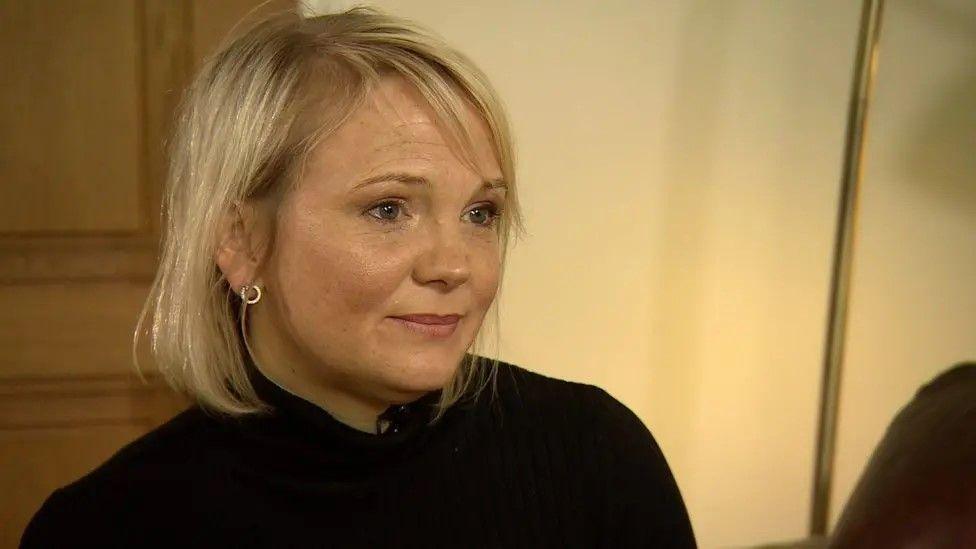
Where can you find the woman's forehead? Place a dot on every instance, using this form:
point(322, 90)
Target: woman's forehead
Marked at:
point(396, 122)
point(397, 106)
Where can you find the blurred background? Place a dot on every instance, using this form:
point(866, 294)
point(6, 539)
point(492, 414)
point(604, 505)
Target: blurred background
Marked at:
point(680, 164)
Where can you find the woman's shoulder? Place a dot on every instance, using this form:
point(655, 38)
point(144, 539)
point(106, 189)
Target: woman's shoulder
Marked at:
point(163, 451)
point(570, 409)
point(162, 462)
point(557, 398)
point(616, 453)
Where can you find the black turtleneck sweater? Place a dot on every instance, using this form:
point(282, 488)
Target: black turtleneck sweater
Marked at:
point(548, 463)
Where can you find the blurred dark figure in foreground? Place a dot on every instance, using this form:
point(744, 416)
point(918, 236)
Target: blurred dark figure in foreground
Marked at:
point(919, 488)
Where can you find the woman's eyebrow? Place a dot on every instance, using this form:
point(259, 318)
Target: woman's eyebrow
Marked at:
point(401, 177)
point(410, 179)
point(498, 183)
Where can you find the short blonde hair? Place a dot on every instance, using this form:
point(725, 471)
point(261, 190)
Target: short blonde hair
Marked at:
point(247, 123)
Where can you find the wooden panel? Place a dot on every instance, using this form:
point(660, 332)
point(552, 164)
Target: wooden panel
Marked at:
point(54, 431)
point(68, 329)
point(168, 70)
point(47, 403)
point(88, 89)
point(71, 154)
point(65, 259)
point(65, 250)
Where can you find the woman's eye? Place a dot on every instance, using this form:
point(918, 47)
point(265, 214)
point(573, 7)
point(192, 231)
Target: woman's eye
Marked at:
point(485, 214)
point(386, 211)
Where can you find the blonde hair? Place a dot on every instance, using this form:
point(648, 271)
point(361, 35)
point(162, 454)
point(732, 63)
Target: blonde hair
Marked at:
point(247, 123)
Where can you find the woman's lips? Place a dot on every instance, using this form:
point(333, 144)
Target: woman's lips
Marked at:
point(430, 325)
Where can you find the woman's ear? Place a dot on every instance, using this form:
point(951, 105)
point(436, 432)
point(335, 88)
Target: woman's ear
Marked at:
point(239, 251)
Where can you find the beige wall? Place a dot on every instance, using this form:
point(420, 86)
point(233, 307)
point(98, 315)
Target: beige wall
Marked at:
point(913, 307)
point(679, 168)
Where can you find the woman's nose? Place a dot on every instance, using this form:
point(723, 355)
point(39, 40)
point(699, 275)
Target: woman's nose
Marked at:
point(444, 260)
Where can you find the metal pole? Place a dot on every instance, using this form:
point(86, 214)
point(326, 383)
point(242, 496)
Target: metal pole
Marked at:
point(865, 64)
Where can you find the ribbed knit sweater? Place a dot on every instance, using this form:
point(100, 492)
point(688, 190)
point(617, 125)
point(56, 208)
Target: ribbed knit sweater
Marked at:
point(548, 463)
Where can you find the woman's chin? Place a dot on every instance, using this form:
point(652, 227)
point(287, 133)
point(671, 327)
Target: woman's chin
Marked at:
point(422, 376)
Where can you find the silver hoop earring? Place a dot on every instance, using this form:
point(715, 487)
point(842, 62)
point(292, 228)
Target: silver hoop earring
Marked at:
point(253, 298)
point(245, 301)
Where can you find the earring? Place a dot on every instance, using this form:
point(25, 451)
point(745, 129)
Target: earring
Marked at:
point(253, 298)
point(248, 298)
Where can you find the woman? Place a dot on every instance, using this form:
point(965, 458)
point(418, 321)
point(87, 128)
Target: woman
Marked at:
point(340, 198)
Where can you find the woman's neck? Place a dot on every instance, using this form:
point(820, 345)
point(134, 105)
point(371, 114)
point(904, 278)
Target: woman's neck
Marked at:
point(352, 412)
point(311, 384)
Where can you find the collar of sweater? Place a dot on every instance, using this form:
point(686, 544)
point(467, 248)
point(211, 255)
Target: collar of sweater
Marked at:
point(297, 436)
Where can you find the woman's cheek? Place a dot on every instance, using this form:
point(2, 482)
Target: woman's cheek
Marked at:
point(486, 249)
point(372, 273)
point(488, 265)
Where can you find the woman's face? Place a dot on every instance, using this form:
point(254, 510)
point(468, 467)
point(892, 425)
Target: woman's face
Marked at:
point(385, 222)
